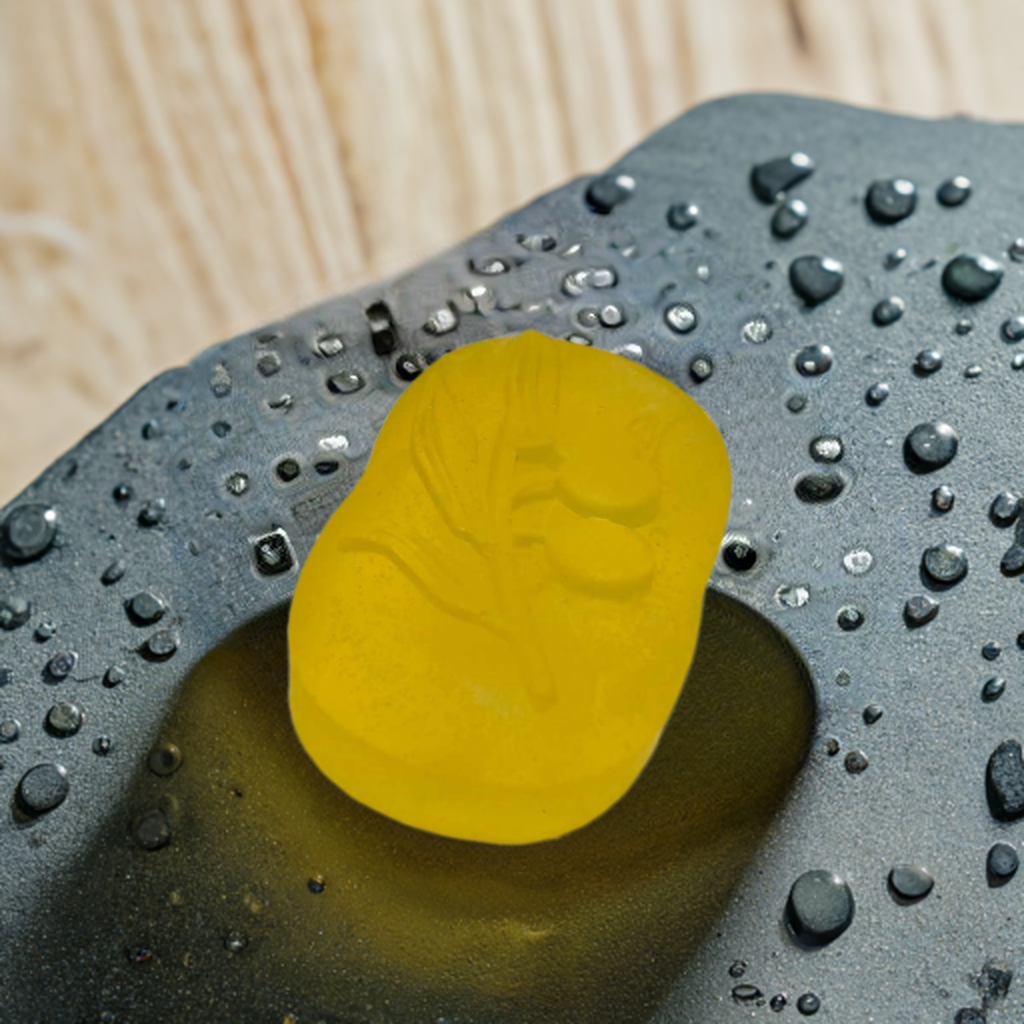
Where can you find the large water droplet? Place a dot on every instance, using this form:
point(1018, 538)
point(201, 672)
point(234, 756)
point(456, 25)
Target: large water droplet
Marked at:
point(815, 278)
point(820, 907)
point(930, 446)
point(971, 277)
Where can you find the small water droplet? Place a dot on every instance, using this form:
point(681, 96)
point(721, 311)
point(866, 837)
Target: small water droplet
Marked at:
point(681, 317)
point(877, 393)
point(15, 611)
point(46, 630)
point(796, 403)
point(235, 941)
point(612, 315)
point(746, 993)
point(220, 381)
point(945, 563)
point(808, 1004)
point(408, 367)
point(268, 363)
point(28, 531)
point(153, 512)
point(145, 608)
point(991, 650)
point(1004, 782)
point(756, 330)
point(858, 562)
point(871, 714)
point(537, 242)
point(849, 618)
point(703, 272)
point(682, 216)
point(819, 487)
point(164, 759)
point(608, 191)
point(813, 360)
point(1002, 861)
point(772, 179)
point(345, 383)
point(739, 555)
point(843, 678)
point(237, 484)
point(330, 345)
point(64, 719)
point(43, 788)
point(221, 428)
point(820, 907)
point(964, 326)
point(826, 448)
point(927, 362)
point(737, 968)
point(891, 200)
point(102, 746)
point(943, 498)
point(832, 746)
point(856, 762)
point(888, 311)
point(152, 830)
point(971, 276)
point(287, 470)
point(10, 730)
point(954, 191)
point(441, 321)
point(316, 884)
point(1005, 508)
point(789, 218)
point(910, 881)
point(1016, 250)
point(701, 369)
point(489, 266)
point(161, 646)
point(61, 665)
point(972, 372)
point(930, 446)
point(792, 596)
point(920, 609)
point(894, 259)
point(777, 1002)
point(815, 278)
point(993, 688)
point(114, 676)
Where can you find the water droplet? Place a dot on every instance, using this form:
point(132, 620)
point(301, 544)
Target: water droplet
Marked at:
point(954, 191)
point(826, 448)
point(15, 611)
point(849, 618)
point(1005, 508)
point(537, 242)
point(1004, 782)
point(920, 610)
point(46, 630)
point(756, 330)
point(345, 383)
point(588, 317)
point(969, 1015)
point(927, 362)
point(28, 531)
point(152, 830)
point(819, 487)
point(746, 993)
point(943, 498)
point(971, 277)
point(681, 317)
point(972, 372)
point(888, 311)
point(843, 678)
point(489, 266)
point(1012, 562)
point(153, 512)
point(856, 761)
point(325, 467)
point(701, 369)
point(820, 907)
point(102, 745)
point(161, 646)
point(739, 555)
point(991, 650)
point(164, 759)
point(579, 339)
point(64, 719)
point(43, 788)
point(964, 326)
point(808, 1004)
point(1013, 329)
point(221, 428)
point(608, 191)
point(60, 666)
point(235, 941)
point(796, 403)
point(682, 216)
point(737, 968)
point(408, 367)
point(1016, 250)
point(287, 470)
point(894, 259)
point(871, 714)
point(703, 272)
point(993, 689)
point(789, 218)
point(945, 563)
point(316, 885)
point(268, 363)
point(330, 345)
point(772, 179)
point(877, 393)
point(815, 278)
point(220, 381)
point(910, 881)
point(273, 553)
point(121, 493)
point(146, 608)
point(930, 446)
point(857, 563)
point(792, 596)
point(890, 200)
point(10, 730)
point(777, 1003)
point(813, 360)
point(1002, 861)
point(114, 676)
point(6, 677)
point(612, 316)
point(441, 321)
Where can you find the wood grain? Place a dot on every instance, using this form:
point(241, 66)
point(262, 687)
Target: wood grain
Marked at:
point(176, 172)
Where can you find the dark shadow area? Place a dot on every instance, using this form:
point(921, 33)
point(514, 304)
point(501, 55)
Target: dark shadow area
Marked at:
point(278, 894)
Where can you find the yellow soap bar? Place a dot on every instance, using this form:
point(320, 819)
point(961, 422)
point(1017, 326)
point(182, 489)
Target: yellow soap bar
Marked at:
point(492, 630)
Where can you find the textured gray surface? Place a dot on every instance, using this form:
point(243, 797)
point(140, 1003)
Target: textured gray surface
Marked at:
point(921, 798)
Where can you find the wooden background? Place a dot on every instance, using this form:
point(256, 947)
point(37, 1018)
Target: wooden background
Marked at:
point(175, 171)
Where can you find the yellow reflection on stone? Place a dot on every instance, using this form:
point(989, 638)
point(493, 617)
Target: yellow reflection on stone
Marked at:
point(492, 630)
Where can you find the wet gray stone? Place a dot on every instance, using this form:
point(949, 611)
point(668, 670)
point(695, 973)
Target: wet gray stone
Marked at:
point(789, 218)
point(28, 531)
point(888, 311)
point(1004, 782)
point(930, 446)
point(910, 881)
point(971, 277)
point(43, 788)
point(15, 611)
point(945, 563)
point(954, 191)
point(772, 179)
point(891, 200)
point(1002, 861)
point(815, 278)
point(820, 907)
point(920, 610)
